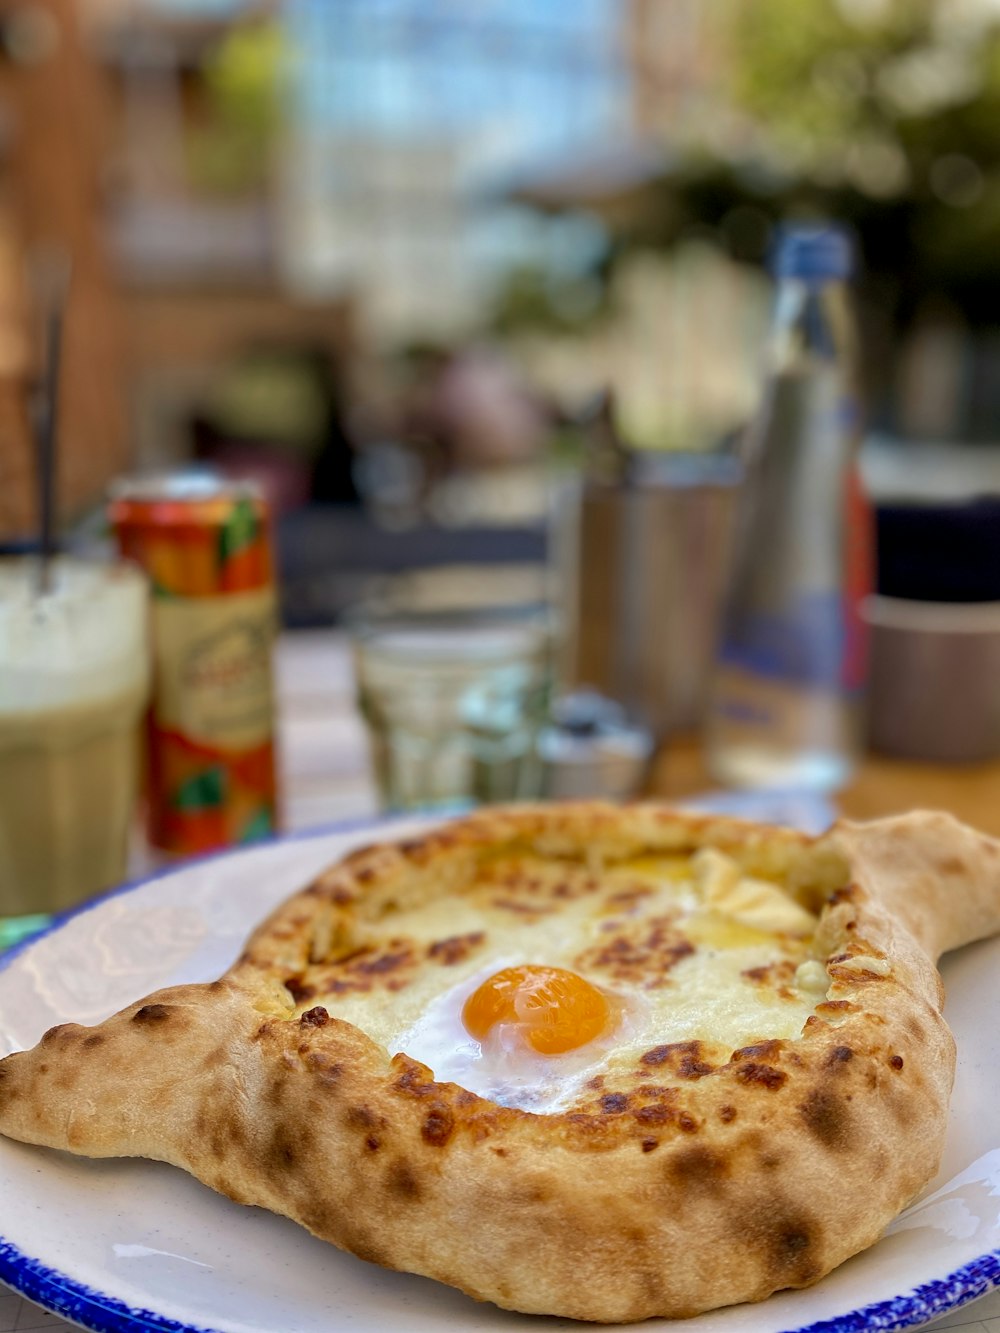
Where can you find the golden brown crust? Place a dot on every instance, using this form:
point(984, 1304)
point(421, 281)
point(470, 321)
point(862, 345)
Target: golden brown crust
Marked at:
point(710, 1180)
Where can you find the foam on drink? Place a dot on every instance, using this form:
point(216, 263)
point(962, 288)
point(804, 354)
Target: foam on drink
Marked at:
point(73, 686)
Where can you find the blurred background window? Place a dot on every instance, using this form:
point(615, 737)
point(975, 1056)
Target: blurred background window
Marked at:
point(406, 118)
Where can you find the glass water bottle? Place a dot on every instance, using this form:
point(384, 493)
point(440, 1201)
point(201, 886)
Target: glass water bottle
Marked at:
point(786, 698)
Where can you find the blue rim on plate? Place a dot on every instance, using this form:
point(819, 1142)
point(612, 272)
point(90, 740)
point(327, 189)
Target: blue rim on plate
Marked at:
point(94, 1310)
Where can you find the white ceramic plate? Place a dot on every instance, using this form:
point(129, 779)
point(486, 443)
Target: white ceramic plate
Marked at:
point(127, 1245)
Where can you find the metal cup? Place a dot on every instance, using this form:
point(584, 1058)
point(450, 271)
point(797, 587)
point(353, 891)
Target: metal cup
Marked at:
point(642, 566)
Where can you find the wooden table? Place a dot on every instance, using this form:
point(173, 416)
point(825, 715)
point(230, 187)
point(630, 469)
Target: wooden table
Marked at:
point(880, 786)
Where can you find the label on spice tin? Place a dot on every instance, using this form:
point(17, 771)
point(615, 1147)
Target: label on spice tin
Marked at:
point(213, 668)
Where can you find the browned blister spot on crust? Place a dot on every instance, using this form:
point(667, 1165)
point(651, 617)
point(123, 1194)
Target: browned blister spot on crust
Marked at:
point(326, 1071)
point(757, 1075)
point(354, 1233)
point(896, 1061)
point(753, 1065)
point(391, 961)
point(221, 1137)
point(761, 1050)
point(274, 1092)
point(683, 1058)
point(903, 1105)
point(640, 953)
point(658, 1113)
point(657, 1056)
point(628, 900)
point(367, 852)
point(456, 948)
point(438, 1125)
point(299, 989)
point(828, 1119)
point(529, 886)
point(92, 1042)
point(364, 970)
point(850, 893)
point(413, 1077)
point(362, 1118)
point(698, 1167)
point(414, 848)
point(727, 1114)
point(838, 1057)
point(689, 1065)
point(282, 1153)
point(317, 1018)
point(794, 1236)
point(833, 1008)
point(153, 1013)
point(856, 976)
point(613, 1103)
point(525, 1194)
point(402, 1181)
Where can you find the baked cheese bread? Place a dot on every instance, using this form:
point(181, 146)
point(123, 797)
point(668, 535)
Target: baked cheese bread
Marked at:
point(592, 1061)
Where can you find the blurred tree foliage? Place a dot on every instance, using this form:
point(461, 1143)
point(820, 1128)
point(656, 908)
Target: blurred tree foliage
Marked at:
point(887, 113)
point(562, 304)
point(230, 152)
point(882, 113)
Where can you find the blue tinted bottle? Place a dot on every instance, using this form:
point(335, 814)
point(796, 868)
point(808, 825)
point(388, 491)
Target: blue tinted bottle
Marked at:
point(785, 705)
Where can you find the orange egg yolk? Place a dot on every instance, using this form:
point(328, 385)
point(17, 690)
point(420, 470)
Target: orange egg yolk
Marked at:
point(554, 1010)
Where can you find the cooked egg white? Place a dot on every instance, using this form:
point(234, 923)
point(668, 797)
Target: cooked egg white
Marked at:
point(503, 1067)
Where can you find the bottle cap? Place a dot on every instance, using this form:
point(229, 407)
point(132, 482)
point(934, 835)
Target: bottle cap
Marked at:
point(813, 252)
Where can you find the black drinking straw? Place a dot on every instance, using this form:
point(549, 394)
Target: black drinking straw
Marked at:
point(50, 274)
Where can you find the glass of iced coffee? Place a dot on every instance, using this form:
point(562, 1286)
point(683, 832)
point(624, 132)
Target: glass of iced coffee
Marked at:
point(74, 679)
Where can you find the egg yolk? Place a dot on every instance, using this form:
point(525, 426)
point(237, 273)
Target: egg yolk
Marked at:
point(555, 1010)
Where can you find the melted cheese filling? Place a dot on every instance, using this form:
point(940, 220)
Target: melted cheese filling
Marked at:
point(687, 948)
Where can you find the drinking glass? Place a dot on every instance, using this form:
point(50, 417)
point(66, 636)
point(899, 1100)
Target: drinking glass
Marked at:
point(74, 677)
point(454, 703)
